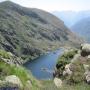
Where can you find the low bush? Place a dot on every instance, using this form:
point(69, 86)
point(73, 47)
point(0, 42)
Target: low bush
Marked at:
point(4, 54)
point(65, 59)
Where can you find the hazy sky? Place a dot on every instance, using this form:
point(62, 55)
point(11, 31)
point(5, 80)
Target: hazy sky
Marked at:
point(56, 5)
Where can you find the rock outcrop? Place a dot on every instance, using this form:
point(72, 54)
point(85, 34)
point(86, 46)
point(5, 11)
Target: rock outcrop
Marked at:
point(10, 58)
point(67, 70)
point(75, 69)
point(85, 49)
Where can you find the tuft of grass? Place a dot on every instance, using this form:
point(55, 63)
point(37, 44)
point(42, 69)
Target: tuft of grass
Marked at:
point(49, 85)
point(81, 86)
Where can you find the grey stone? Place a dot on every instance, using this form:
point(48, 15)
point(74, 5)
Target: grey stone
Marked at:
point(14, 80)
point(58, 82)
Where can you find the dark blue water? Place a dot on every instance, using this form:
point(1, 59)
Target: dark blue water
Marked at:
point(43, 67)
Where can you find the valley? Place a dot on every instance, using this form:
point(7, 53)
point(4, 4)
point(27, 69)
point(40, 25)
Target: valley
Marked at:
point(41, 51)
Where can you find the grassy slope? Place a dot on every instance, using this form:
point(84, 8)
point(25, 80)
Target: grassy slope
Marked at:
point(22, 73)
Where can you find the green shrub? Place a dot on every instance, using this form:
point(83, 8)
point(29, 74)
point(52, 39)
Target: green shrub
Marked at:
point(4, 54)
point(61, 66)
point(65, 59)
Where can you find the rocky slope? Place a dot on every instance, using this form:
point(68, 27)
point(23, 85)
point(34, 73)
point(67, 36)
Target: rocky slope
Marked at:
point(13, 76)
point(73, 67)
point(29, 32)
point(82, 28)
point(10, 58)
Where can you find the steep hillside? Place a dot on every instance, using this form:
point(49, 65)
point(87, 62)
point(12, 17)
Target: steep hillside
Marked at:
point(29, 32)
point(13, 76)
point(82, 28)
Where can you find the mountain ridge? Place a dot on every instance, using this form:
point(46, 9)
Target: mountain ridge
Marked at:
point(82, 28)
point(71, 17)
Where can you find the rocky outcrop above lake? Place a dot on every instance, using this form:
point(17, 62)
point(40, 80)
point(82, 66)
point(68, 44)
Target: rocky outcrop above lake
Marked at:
point(73, 67)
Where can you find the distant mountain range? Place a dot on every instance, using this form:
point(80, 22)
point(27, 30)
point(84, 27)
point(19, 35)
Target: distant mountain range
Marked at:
point(71, 17)
point(29, 32)
point(82, 28)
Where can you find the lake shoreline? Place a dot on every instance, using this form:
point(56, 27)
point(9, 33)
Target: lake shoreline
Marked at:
point(44, 65)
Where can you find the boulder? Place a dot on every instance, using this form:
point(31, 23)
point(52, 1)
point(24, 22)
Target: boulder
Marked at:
point(14, 80)
point(8, 85)
point(67, 70)
point(87, 77)
point(67, 66)
point(88, 57)
point(85, 49)
point(86, 67)
point(58, 82)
